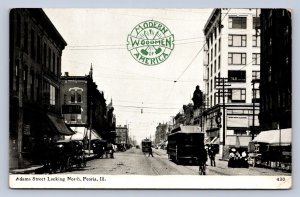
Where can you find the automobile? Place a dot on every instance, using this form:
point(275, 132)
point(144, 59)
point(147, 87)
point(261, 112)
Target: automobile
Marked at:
point(137, 147)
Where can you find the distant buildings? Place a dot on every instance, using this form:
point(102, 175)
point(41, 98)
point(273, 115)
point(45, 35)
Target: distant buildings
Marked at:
point(122, 136)
point(35, 67)
point(161, 133)
point(276, 69)
point(232, 54)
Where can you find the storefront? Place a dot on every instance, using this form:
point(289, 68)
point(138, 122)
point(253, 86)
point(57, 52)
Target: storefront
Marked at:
point(272, 148)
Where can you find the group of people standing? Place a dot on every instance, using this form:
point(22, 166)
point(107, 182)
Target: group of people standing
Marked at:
point(238, 159)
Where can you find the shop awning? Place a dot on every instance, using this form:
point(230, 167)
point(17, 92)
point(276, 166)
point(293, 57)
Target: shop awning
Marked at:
point(281, 137)
point(216, 140)
point(80, 132)
point(190, 129)
point(238, 141)
point(59, 125)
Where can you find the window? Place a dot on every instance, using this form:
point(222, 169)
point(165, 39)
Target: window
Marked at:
point(49, 59)
point(207, 88)
point(207, 41)
point(45, 55)
point(211, 69)
point(255, 58)
point(73, 117)
point(17, 75)
point(211, 54)
point(211, 85)
point(37, 87)
point(215, 49)
point(237, 95)
point(207, 72)
point(79, 93)
point(76, 95)
point(237, 22)
point(52, 95)
point(54, 63)
point(256, 94)
point(57, 66)
point(78, 117)
point(219, 61)
point(18, 42)
point(32, 44)
point(236, 58)
point(237, 40)
point(255, 75)
point(255, 41)
point(215, 66)
point(72, 96)
point(25, 79)
point(219, 44)
point(208, 58)
point(256, 22)
point(32, 85)
point(26, 37)
point(215, 32)
point(38, 49)
point(236, 76)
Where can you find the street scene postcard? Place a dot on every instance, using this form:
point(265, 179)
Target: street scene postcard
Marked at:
point(110, 98)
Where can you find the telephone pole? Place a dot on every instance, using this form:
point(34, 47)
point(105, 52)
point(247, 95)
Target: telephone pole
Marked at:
point(221, 85)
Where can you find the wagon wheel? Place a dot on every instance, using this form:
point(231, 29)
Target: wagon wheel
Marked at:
point(176, 155)
point(59, 167)
point(68, 164)
point(83, 164)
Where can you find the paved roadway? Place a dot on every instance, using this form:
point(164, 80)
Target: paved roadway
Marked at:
point(134, 162)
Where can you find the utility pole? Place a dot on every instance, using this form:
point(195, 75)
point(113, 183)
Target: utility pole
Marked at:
point(91, 122)
point(221, 85)
point(253, 132)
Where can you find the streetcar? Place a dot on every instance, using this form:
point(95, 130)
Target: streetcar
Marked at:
point(185, 143)
point(146, 145)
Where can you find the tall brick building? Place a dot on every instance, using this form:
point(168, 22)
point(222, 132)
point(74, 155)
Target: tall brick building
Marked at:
point(82, 93)
point(34, 68)
point(276, 69)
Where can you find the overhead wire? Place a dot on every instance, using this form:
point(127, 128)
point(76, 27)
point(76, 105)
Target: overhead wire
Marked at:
point(198, 52)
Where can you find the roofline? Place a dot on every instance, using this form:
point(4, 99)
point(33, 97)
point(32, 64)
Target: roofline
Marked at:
point(39, 12)
point(209, 19)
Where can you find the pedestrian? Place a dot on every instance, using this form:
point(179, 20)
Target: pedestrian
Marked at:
point(202, 159)
point(212, 156)
point(238, 159)
point(150, 152)
point(231, 162)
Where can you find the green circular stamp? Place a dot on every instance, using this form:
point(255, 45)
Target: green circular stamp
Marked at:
point(150, 42)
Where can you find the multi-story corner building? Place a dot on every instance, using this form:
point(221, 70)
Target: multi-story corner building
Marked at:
point(83, 105)
point(276, 69)
point(35, 66)
point(232, 54)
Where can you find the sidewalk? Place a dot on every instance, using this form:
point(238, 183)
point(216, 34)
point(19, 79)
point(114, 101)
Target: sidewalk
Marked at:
point(30, 170)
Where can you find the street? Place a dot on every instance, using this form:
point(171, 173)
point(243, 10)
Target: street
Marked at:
point(135, 162)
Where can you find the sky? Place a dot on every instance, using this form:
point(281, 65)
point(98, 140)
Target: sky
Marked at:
point(143, 96)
